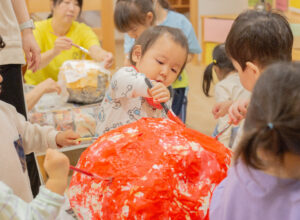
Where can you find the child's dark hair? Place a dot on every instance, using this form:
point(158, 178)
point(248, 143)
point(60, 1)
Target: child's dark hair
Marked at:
point(57, 2)
point(128, 12)
point(273, 118)
point(221, 60)
point(2, 44)
point(149, 37)
point(261, 37)
point(164, 3)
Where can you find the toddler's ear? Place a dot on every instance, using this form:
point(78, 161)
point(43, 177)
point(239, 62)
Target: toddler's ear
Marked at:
point(136, 53)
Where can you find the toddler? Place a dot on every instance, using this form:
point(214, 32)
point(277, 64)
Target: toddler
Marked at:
point(159, 54)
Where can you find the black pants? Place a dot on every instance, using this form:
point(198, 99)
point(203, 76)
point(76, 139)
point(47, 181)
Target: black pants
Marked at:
point(12, 93)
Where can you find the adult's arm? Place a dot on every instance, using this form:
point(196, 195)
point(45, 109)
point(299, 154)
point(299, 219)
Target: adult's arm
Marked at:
point(30, 47)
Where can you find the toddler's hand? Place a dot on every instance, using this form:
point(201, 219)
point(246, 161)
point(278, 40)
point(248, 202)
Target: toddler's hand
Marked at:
point(238, 111)
point(56, 165)
point(66, 138)
point(159, 92)
point(221, 109)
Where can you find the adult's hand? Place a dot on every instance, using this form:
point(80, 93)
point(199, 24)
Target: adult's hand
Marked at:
point(31, 50)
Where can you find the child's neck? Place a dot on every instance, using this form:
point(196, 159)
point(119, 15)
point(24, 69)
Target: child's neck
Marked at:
point(288, 169)
point(160, 13)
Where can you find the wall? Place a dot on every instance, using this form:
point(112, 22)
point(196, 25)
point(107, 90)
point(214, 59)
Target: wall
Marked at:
point(211, 7)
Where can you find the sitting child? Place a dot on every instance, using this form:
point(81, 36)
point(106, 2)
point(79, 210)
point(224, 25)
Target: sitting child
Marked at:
point(50, 198)
point(159, 54)
point(264, 182)
point(228, 89)
point(256, 40)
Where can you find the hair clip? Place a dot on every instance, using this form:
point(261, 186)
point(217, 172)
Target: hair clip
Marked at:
point(270, 125)
point(214, 61)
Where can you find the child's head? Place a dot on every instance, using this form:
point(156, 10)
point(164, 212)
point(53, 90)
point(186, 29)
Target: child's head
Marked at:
point(160, 53)
point(163, 3)
point(272, 123)
point(257, 39)
point(134, 16)
point(221, 64)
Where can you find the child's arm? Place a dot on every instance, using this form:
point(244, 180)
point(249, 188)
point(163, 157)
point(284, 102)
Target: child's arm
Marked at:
point(221, 109)
point(238, 111)
point(129, 83)
point(47, 86)
point(38, 138)
point(50, 198)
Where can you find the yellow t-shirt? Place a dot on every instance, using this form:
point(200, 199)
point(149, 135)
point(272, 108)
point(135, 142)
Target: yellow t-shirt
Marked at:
point(79, 33)
point(182, 81)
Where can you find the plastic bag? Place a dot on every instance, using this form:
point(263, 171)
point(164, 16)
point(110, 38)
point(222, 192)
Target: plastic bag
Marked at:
point(85, 80)
point(159, 170)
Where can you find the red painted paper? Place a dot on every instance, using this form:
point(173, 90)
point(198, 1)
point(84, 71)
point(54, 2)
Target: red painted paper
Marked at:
point(160, 171)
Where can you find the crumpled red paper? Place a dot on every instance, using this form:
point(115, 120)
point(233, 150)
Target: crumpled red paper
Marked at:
point(160, 171)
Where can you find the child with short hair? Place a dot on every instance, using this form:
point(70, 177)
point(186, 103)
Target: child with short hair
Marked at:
point(228, 89)
point(47, 203)
point(159, 54)
point(256, 40)
point(134, 16)
point(264, 182)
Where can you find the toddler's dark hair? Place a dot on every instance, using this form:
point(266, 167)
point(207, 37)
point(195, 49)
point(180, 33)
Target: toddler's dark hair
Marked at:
point(221, 60)
point(273, 118)
point(261, 37)
point(149, 37)
point(129, 12)
point(57, 2)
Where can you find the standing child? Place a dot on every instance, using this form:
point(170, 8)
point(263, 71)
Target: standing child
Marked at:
point(228, 89)
point(256, 40)
point(159, 54)
point(134, 16)
point(13, 176)
point(264, 182)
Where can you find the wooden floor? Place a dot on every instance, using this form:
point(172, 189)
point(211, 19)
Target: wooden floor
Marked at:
point(199, 115)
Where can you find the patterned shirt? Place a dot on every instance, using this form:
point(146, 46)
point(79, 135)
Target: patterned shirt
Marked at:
point(125, 102)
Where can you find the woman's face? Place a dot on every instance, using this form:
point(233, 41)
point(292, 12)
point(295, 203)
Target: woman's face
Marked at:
point(66, 11)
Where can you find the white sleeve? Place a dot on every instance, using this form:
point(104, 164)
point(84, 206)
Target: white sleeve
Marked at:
point(221, 93)
point(129, 83)
point(45, 206)
point(35, 138)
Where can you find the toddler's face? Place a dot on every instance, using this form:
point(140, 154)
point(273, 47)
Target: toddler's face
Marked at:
point(163, 61)
point(137, 30)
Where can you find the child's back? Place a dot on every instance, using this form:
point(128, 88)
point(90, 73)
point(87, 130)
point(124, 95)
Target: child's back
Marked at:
point(264, 182)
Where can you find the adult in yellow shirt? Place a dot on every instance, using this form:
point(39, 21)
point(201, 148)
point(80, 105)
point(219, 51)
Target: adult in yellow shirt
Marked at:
point(55, 37)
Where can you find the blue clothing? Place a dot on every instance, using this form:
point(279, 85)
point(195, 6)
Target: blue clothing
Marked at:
point(175, 20)
point(248, 193)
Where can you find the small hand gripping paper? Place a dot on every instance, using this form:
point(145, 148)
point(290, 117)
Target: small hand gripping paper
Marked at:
point(158, 170)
